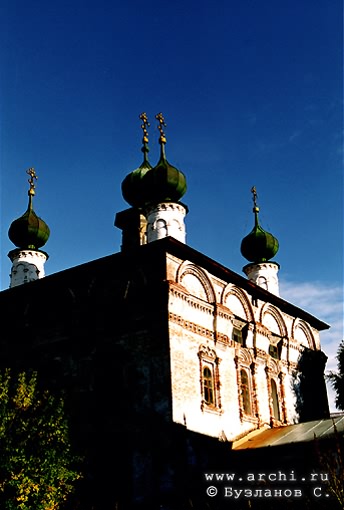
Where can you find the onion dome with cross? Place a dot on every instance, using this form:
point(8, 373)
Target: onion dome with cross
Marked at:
point(29, 231)
point(164, 183)
point(259, 245)
point(132, 185)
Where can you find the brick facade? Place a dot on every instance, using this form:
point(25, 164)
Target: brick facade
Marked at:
point(152, 349)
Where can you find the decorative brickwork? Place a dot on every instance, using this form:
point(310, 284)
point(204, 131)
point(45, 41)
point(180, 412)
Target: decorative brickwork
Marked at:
point(260, 356)
point(191, 326)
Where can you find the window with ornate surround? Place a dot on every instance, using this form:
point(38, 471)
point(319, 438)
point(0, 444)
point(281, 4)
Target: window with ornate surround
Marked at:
point(209, 379)
point(208, 385)
point(247, 391)
point(276, 393)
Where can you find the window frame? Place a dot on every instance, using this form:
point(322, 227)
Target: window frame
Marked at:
point(208, 360)
point(208, 385)
point(245, 393)
point(275, 401)
point(239, 329)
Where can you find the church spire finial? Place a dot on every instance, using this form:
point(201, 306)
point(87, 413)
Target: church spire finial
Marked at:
point(161, 125)
point(33, 177)
point(144, 126)
point(255, 206)
point(254, 198)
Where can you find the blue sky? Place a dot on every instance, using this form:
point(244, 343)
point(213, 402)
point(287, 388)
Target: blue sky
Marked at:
point(252, 95)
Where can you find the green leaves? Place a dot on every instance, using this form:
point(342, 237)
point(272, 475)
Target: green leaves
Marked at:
point(337, 378)
point(37, 469)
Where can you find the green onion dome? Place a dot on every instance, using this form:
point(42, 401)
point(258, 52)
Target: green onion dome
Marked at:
point(132, 185)
point(164, 183)
point(29, 231)
point(258, 245)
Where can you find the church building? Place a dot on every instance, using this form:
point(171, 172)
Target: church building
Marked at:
point(167, 358)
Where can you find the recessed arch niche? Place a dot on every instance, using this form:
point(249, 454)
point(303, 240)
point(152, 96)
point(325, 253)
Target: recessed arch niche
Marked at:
point(196, 281)
point(237, 302)
point(302, 333)
point(273, 320)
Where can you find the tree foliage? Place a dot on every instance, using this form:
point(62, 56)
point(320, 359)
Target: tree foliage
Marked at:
point(337, 378)
point(36, 464)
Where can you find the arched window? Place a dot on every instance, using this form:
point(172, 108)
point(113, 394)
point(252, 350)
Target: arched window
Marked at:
point(161, 228)
point(208, 386)
point(275, 402)
point(262, 282)
point(209, 379)
point(245, 392)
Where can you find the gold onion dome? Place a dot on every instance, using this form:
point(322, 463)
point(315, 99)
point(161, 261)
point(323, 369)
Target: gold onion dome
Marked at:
point(164, 183)
point(29, 231)
point(132, 185)
point(259, 245)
